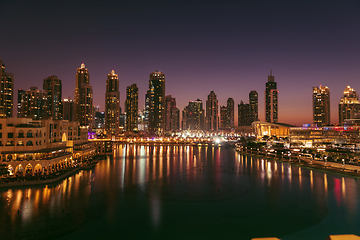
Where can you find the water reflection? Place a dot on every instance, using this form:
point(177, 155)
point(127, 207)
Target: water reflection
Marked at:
point(156, 183)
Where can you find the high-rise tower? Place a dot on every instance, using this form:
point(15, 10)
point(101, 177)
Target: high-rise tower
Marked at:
point(112, 104)
point(53, 86)
point(21, 94)
point(34, 104)
point(156, 102)
point(230, 113)
point(83, 102)
point(253, 105)
point(172, 114)
point(321, 106)
point(349, 106)
point(193, 116)
point(131, 106)
point(6, 91)
point(271, 100)
point(212, 117)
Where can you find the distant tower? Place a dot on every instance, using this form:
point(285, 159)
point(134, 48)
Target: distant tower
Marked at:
point(172, 114)
point(244, 114)
point(321, 106)
point(131, 106)
point(349, 106)
point(68, 110)
point(83, 101)
point(253, 105)
point(112, 104)
point(230, 113)
point(212, 119)
point(34, 104)
point(21, 94)
point(193, 116)
point(271, 100)
point(53, 86)
point(156, 102)
point(6, 91)
point(224, 117)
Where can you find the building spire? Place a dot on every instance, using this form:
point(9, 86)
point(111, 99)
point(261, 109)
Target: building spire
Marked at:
point(82, 65)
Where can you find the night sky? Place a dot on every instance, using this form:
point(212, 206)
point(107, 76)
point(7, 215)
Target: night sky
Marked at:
point(200, 46)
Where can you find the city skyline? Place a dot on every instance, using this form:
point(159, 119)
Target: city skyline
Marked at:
point(231, 52)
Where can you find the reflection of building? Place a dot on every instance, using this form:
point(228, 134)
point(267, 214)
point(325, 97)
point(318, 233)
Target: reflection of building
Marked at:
point(193, 116)
point(131, 106)
point(349, 106)
point(83, 102)
point(6, 91)
point(321, 106)
point(212, 121)
point(271, 100)
point(172, 114)
point(156, 95)
point(34, 104)
point(112, 104)
point(52, 85)
point(40, 147)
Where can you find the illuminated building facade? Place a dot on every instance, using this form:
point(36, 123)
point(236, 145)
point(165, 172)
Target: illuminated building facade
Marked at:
point(193, 116)
point(321, 106)
point(41, 147)
point(212, 115)
point(172, 114)
point(68, 109)
point(254, 106)
point(156, 102)
point(271, 100)
point(230, 113)
point(34, 104)
point(20, 97)
point(244, 117)
point(53, 87)
point(83, 102)
point(131, 106)
point(224, 118)
point(112, 104)
point(349, 106)
point(6, 91)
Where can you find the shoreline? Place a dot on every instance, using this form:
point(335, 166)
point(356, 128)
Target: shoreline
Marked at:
point(318, 165)
point(47, 181)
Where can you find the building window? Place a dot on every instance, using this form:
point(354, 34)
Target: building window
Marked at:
point(21, 134)
point(29, 134)
point(29, 143)
point(0, 126)
point(10, 135)
point(20, 143)
point(10, 143)
point(0, 135)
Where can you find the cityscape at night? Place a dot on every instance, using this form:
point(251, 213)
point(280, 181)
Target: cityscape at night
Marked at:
point(179, 119)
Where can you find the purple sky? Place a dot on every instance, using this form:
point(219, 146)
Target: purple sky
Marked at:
point(200, 46)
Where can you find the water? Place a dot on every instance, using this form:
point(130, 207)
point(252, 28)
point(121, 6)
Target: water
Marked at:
point(182, 192)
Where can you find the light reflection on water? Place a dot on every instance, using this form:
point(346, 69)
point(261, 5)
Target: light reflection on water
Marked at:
point(159, 187)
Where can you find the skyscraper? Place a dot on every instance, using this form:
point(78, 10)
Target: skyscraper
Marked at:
point(349, 106)
point(193, 116)
point(253, 105)
point(53, 86)
point(230, 113)
point(6, 91)
point(224, 117)
point(21, 94)
point(131, 106)
point(271, 100)
point(171, 114)
point(156, 102)
point(212, 117)
point(321, 106)
point(34, 104)
point(68, 110)
point(244, 118)
point(83, 101)
point(112, 104)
